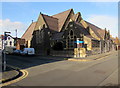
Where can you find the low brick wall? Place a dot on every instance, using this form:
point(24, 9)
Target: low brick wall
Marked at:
point(95, 51)
point(66, 53)
point(76, 52)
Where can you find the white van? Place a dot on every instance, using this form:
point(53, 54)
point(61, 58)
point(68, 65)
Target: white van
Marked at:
point(9, 50)
point(28, 51)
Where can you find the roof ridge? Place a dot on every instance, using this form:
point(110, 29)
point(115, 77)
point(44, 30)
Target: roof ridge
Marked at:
point(93, 25)
point(50, 16)
point(48, 22)
point(63, 12)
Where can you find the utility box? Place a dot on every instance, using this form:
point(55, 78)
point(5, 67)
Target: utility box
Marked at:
point(79, 52)
point(76, 52)
point(82, 52)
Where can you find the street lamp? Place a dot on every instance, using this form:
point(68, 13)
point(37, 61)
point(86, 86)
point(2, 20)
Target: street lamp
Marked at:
point(4, 59)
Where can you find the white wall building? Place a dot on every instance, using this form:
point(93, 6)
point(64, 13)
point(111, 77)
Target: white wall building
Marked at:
point(10, 42)
point(1, 43)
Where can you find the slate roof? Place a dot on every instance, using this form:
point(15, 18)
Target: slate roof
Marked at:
point(89, 36)
point(62, 18)
point(75, 16)
point(57, 21)
point(98, 31)
point(28, 33)
point(51, 22)
point(82, 29)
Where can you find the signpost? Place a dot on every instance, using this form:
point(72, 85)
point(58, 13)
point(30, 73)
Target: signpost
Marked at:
point(4, 59)
point(79, 43)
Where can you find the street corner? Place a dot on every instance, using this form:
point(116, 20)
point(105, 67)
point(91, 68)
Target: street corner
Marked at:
point(90, 58)
point(12, 75)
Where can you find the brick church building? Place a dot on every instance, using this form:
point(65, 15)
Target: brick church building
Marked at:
point(67, 34)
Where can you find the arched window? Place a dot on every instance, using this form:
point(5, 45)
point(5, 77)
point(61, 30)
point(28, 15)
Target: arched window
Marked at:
point(10, 43)
point(71, 32)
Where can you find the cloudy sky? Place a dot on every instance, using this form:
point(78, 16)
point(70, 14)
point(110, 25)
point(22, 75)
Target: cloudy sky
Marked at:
point(19, 15)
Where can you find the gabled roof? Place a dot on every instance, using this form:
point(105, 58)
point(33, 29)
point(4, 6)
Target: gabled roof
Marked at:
point(62, 18)
point(51, 22)
point(28, 33)
point(75, 16)
point(89, 36)
point(82, 29)
point(101, 33)
point(98, 31)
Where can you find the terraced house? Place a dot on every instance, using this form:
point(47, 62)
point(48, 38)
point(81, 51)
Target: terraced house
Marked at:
point(67, 34)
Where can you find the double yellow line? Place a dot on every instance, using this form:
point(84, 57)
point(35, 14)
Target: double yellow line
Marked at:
point(24, 75)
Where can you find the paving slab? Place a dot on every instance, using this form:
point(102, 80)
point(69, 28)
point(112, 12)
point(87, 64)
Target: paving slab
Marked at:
point(9, 74)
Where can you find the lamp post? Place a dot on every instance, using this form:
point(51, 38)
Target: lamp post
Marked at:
point(4, 59)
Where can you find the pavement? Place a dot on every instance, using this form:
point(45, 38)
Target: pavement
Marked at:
point(9, 74)
point(12, 75)
point(92, 57)
point(88, 58)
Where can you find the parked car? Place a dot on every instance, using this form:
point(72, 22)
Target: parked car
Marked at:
point(23, 53)
point(17, 51)
point(29, 51)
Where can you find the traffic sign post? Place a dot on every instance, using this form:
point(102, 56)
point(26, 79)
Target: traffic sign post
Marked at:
point(4, 59)
point(79, 43)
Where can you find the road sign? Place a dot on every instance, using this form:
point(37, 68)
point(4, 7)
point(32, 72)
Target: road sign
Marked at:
point(79, 41)
point(2, 37)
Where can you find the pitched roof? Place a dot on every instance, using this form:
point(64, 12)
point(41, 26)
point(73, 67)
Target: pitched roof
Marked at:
point(98, 31)
point(28, 33)
point(89, 36)
point(85, 31)
point(82, 29)
point(75, 16)
point(62, 18)
point(51, 22)
point(101, 33)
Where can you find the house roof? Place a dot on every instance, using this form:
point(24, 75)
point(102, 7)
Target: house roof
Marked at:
point(89, 36)
point(98, 31)
point(51, 22)
point(82, 29)
point(75, 16)
point(62, 18)
point(28, 33)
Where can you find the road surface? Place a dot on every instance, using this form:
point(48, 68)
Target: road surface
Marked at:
point(45, 72)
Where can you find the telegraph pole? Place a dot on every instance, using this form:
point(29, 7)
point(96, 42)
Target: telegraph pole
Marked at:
point(16, 33)
point(16, 39)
